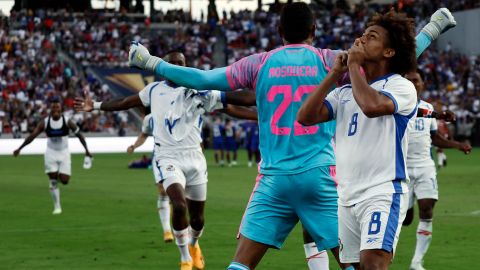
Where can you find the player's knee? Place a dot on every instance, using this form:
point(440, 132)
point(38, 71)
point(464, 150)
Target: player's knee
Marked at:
point(179, 208)
point(64, 178)
point(426, 213)
point(374, 265)
point(197, 221)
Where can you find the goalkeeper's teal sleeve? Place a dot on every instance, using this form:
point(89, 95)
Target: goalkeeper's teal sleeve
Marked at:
point(194, 78)
point(423, 41)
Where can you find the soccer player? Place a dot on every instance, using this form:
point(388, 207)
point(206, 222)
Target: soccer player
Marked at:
point(219, 141)
point(422, 134)
point(291, 153)
point(372, 115)
point(252, 142)
point(57, 127)
point(163, 203)
point(230, 142)
point(178, 154)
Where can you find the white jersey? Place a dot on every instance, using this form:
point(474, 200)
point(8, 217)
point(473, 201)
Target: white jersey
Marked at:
point(147, 125)
point(419, 139)
point(371, 152)
point(57, 143)
point(174, 112)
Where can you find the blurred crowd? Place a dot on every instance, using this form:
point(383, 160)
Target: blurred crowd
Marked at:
point(35, 46)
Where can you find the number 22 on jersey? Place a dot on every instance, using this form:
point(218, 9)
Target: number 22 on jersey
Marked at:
point(288, 98)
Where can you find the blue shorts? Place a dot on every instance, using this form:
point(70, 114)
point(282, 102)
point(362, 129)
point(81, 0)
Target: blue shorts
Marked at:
point(218, 144)
point(230, 145)
point(278, 202)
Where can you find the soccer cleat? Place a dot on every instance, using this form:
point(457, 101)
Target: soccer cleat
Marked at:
point(57, 211)
point(186, 265)
point(197, 256)
point(168, 237)
point(416, 266)
point(440, 22)
point(139, 57)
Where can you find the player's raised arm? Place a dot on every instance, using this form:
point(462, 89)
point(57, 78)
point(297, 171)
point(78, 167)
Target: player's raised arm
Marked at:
point(440, 22)
point(86, 104)
point(38, 129)
point(79, 135)
point(316, 109)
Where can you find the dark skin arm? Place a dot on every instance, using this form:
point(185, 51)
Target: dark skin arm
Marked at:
point(121, 104)
point(80, 136)
point(313, 110)
point(38, 129)
point(440, 141)
point(241, 98)
point(241, 112)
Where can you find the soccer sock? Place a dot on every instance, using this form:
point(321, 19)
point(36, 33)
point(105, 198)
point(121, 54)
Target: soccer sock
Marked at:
point(424, 237)
point(237, 266)
point(316, 260)
point(163, 206)
point(181, 239)
point(55, 192)
point(195, 235)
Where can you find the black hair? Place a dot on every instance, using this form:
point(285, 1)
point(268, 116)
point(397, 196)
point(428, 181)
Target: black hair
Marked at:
point(401, 38)
point(296, 20)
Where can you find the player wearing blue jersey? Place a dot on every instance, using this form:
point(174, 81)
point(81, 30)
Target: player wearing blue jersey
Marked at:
point(372, 115)
point(293, 156)
point(231, 142)
point(219, 141)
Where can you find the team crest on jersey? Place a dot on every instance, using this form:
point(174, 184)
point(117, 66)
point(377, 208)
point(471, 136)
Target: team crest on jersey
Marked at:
point(170, 168)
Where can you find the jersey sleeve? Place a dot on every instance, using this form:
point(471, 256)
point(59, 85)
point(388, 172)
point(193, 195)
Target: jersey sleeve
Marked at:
point(146, 128)
point(331, 102)
point(403, 94)
point(146, 93)
point(243, 73)
point(433, 125)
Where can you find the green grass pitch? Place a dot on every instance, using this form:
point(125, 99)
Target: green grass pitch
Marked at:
point(109, 218)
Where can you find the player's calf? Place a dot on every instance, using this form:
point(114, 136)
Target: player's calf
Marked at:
point(64, 178)
point(375, 259)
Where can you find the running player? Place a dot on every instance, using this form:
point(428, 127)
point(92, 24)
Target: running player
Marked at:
point(219, 141)
point(178, 154)
point(422, 134)
point(163, 203)
point(282, 78)
point(230, 142)
point(372, 115)
point(58, 167)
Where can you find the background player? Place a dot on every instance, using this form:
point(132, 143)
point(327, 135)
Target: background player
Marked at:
point(163, 203)
point(219, 141)
point(252, 141)
point(57, 127)
point(422, 133)
point(230, 142)
point(372, 114)
point(298, 28)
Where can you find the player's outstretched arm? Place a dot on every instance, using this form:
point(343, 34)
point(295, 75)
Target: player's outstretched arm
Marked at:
point(241, 112)
point(38, 129)
point(141, 138)
point(440, 22)
point(86, 104)
point(314, 110)
point(440, 141)
point(76, 130)
point(139, 57)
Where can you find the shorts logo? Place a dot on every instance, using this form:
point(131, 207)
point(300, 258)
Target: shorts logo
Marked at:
point(344, 101)
point(372, 240)
point(340, 244)
point(170, 168)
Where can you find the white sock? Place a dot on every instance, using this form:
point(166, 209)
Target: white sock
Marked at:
point(181, 239)
point(316, 260)
point(163, 206)
point(424, 237)
point(195, 235)
point(55, 192)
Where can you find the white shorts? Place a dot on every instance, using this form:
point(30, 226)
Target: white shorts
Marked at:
point(374, 223)
point(422, 185)
point(187, 168)
point(58, 161)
